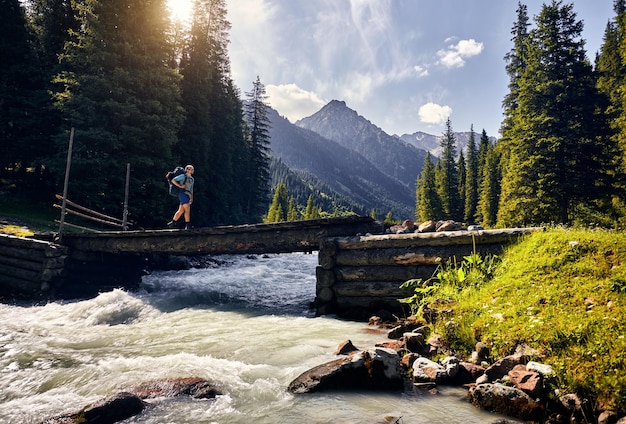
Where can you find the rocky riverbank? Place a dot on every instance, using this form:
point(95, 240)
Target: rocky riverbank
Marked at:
point(413, 359)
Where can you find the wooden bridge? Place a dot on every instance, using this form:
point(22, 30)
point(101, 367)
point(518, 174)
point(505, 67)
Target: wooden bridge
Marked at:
point(360, 268)
point(281, 237)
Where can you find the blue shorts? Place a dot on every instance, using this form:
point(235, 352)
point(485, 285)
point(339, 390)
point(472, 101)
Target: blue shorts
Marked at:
point(184, 198)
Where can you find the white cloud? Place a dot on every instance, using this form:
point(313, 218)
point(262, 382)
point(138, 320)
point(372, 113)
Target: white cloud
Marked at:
point(421, 71)
point(454, 56)
point(432, 113)
point(292, 101)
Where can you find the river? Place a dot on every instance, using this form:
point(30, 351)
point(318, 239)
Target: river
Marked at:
point(243, 323)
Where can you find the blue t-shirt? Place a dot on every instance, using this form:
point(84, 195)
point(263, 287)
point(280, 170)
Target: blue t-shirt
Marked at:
point(188, 182)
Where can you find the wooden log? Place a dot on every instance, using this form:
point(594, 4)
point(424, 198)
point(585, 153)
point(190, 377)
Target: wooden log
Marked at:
point(324, 295)
point(326, 255)
point(10, 285)
point(384, 273)
point(365, 302)
point(28, 243)
point(298, 236)
point(418, 255)
point(24, 274)
point(446, 238)
point(22, 252)
point(370, 289)
point(21, 263)
point(324, 277)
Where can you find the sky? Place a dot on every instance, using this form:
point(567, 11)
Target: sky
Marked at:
point(405, 65)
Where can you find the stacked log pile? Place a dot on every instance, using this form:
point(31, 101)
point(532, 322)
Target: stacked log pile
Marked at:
point(30, 268)
point(358, 276)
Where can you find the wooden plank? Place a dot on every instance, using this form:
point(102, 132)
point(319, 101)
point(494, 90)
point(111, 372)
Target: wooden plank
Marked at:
point(10, 285)
point(417, 255)
point(384, 273)
point(25, 263)
point(445, 238)
point(296, 236)
point(22, 252)
point(20, 273)
point(23, 242)
point(370, 289)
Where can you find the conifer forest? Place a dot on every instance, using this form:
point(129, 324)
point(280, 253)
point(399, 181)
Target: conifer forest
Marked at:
point(140, 89)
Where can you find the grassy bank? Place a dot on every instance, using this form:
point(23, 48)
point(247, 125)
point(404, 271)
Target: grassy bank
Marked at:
point(561, 292)
point(38, 216)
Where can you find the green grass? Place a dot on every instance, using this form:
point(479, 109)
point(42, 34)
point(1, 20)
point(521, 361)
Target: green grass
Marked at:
point(39, 216)
point(562, 292)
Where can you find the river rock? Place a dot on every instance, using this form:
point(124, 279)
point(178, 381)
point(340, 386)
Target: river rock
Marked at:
point(195, 387)
point(468, 373)
point(346, 347)
point(505, 400)
point(427, 371)
point(374, 369)
point(110, 410)
point(530, 382)
point(501, 368)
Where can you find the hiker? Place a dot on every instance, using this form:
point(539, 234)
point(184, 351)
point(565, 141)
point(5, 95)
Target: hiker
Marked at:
point(185, 183)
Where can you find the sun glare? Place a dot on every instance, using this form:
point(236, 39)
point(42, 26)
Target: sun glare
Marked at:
point(180, 10)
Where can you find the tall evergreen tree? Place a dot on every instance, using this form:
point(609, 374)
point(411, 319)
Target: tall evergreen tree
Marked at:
point(124, 103)
point(489, 189)
point(558, 136)
point(446, 176)
point(212, 136)
point(471, 179)
point(461, 181)
point(258, 124)
point(427, 203)
point(311, 211)
point(22, 95)
point(279, 207)
point(54, 22)
point(611, 70)
point(515, 65)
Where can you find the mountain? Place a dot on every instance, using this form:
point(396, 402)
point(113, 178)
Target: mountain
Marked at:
point(432, 143)
point(348, 163)
point(347, 172)
point(391, 155)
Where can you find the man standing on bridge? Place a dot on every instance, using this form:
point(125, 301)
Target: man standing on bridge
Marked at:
point(185, 196)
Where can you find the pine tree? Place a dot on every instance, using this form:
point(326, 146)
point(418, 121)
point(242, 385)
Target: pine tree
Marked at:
point(557, 139)
point(54, 22)
point(611, 70)
point(462, 176)
point(489, 189)
point(280, 205)
point(515, 65)
point(213, 133)
point(256, 114)
point(125, 105)
point(311, 211)
point(22, 96)
point(471, 179)
point(292, 212)
point(446, 176)
point(427, 203)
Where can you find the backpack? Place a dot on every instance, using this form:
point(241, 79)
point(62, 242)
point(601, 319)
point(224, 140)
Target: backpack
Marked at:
point(174, 190)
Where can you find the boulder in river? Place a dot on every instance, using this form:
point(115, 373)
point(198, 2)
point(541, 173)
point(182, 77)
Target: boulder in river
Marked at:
point(374, 369)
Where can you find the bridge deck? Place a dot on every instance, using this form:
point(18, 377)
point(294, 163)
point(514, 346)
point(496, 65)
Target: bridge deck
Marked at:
point(282, 237)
